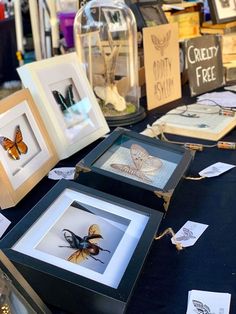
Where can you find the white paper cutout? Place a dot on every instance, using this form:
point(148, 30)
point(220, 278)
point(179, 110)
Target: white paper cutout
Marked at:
point(62, 173)
point(215, 170)
point(189, 233)
point(208, 302)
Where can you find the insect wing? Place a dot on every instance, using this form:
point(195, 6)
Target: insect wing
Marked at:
point(138, 155)
point(78, 256)
point(60, 99)
point(142, 160)
point(94, 230)
point(10, 147)
point(121, 167)
point(21, 146)
point(151, 164)
point(70, 96)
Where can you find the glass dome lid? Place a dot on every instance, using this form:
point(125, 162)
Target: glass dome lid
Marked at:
point(105, 35)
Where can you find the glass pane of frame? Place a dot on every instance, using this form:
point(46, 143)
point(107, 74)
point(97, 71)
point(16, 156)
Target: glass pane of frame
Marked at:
point(85, 235)
point(139, 160)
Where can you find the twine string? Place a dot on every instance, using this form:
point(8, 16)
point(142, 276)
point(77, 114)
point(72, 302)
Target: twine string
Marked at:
point(195, 178)
point(170, 231)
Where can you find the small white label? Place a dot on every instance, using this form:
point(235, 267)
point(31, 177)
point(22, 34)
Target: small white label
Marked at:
point(215, 170)
point(189, 233)
point(208, 302)
point(62, 173)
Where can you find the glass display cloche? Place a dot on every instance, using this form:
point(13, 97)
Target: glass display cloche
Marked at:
point(105, 34)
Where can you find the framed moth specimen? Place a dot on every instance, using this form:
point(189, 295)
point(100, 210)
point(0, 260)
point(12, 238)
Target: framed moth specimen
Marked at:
point(138, 168)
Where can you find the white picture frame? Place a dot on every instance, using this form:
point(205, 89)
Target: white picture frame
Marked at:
point(66, 102)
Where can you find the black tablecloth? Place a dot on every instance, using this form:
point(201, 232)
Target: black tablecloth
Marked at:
point(168, 274)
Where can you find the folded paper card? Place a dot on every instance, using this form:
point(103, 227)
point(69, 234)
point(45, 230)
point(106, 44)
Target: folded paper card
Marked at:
point(189, 233)
point(215, 170)
point(208, 302)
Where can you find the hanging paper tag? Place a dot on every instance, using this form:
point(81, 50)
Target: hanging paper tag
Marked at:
point(189, 233)
point(215, 169)
point(4, 224)
point(62, 173)
point(208, 302)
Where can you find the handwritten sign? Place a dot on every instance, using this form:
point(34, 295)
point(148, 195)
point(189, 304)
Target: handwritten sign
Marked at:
point(162, 64)
point(204, 63)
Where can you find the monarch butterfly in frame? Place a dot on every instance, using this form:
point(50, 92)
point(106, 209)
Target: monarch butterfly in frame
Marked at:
point(143, 164)
point(14, 147)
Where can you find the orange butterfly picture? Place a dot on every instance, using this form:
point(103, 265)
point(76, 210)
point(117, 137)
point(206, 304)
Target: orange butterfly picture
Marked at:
point(14, 147)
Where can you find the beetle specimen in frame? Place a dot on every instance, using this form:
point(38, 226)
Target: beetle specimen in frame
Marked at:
point(143, 164)
point(86, 246)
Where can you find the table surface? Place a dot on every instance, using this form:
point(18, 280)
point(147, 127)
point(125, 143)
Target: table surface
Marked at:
point(168, 274)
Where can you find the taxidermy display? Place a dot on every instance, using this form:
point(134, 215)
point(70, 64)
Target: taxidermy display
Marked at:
point(108, 92)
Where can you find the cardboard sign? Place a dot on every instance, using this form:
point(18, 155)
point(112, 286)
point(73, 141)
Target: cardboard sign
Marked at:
point(162, 64)
point(204, 63)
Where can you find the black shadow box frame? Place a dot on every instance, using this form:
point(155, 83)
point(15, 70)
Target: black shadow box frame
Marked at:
point(141, 17)
point(95, 169)
point(90, 286)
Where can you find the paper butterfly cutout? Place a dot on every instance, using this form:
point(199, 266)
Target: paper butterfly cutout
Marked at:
point(201, 308)
point(143, 164)
point(64, 174)
point(14, 148)
point(211, 171)
point(186, 236)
